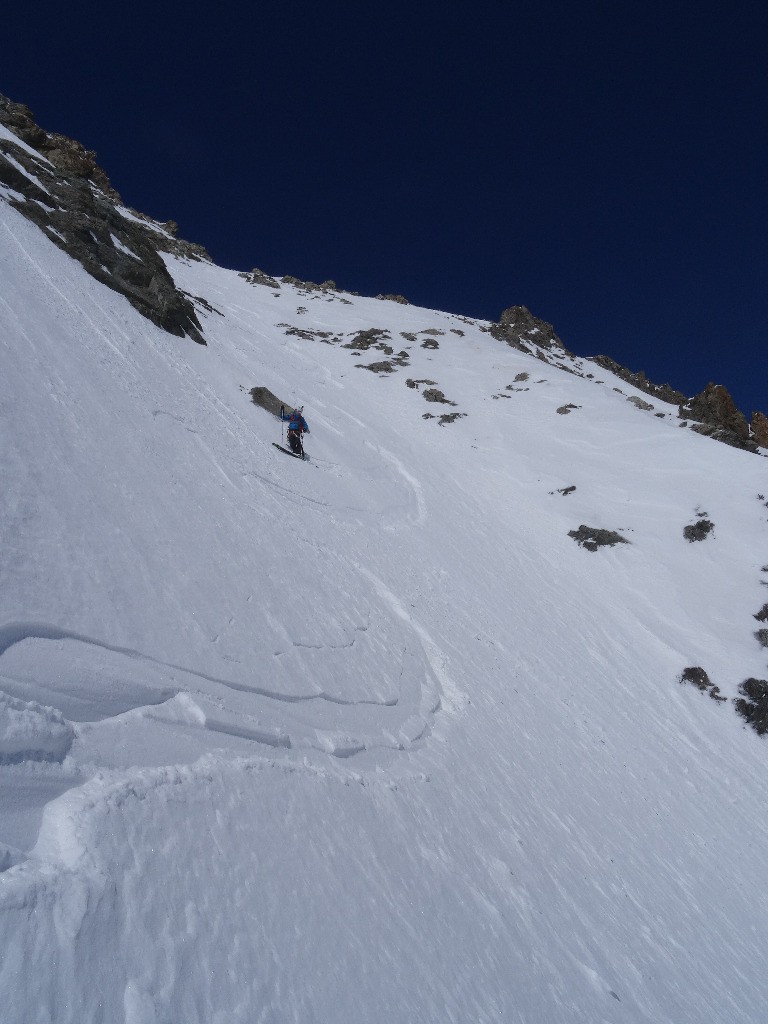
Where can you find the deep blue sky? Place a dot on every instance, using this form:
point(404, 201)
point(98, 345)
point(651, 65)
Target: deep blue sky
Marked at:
point(603, 163)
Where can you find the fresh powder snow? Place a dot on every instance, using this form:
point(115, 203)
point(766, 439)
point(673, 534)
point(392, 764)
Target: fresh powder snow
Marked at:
point(368, 737)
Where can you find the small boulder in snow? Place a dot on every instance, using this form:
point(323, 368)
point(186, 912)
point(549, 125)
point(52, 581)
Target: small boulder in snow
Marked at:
point(696, 675)
point(699, 530)
point(592, 538)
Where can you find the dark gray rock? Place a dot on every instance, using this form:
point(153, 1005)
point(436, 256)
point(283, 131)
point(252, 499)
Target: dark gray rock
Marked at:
point(436, 395)
point(724, 436)
point(762, 637)
point(592, 538)
point(329, 289)
point(394, 298)
point(257, 277)
point(308, 335)
point(645, 406)
point(753, 704)
point(762, 615)
point(264, 398)
point(564, 410)
point(383, 366)
point(699, 530)
point(374, 337)
point(696, 676)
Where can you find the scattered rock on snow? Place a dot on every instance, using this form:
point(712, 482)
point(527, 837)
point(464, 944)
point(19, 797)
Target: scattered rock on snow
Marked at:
point(762, 636)
point(753, 704)
point(592, 538)
point(699, 678)
point(435, 395)
point(383, 366)
point(374, 337)
point(308, 335)
point(699, 530)
point(564, 410)
point(257, 276)
point(645, 406)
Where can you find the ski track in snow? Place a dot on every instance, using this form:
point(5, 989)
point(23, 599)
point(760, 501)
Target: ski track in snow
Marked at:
point(180, 696)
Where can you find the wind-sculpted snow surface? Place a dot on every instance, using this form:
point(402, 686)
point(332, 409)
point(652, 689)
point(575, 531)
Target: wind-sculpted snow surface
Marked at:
point(365, 738)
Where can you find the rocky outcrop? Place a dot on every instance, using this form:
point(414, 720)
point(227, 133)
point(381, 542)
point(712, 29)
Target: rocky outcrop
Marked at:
point(696, 676)
point(519, 328)
point(699, 530)
point(717, 416)
point(257, 276)
point(592, 537)
point(638, 379)
point(265, 399)
point(436, 395)
point(640, 404)
point(760, 429)
point(753, 704)
point(56, 183)
point(394, 298)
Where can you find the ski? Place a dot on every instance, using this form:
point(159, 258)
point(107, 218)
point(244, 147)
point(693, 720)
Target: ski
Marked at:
point(287, 452)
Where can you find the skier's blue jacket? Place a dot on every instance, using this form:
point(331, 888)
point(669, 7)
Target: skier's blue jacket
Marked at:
point(296, 421)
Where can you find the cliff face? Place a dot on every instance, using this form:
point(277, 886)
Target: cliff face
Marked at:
point(760, 428)
point(519, 328)
point(716, 415)
point(56, 183)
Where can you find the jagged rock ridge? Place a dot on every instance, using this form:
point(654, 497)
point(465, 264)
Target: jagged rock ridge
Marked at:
point(56, 183)
point(518, 327)
point(713, 411)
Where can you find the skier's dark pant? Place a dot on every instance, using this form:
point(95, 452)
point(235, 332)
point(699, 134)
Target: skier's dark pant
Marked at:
point(294, 442)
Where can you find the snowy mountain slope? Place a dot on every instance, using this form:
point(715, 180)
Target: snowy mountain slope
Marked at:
point(369, 737)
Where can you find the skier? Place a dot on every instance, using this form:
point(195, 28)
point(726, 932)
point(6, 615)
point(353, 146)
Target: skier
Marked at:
point(297, 426)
